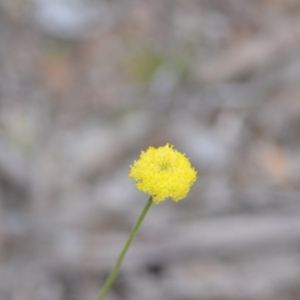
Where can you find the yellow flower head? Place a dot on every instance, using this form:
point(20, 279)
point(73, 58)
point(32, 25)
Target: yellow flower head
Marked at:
point(163, 172)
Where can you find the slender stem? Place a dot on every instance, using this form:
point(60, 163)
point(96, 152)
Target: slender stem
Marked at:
point(111, 278)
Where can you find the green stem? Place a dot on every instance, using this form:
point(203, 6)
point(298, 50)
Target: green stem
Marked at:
point(111, 278)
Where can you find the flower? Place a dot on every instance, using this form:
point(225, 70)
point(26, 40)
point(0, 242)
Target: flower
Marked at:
point(163, 172)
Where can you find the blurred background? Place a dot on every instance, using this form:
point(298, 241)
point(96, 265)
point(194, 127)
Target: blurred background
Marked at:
point(85, 85)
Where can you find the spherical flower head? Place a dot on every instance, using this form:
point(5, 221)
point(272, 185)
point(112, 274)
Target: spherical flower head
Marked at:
point(163, 172)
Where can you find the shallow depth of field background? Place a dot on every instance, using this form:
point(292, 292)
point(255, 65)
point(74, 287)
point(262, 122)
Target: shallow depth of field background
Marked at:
point(86, 85)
